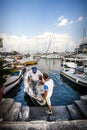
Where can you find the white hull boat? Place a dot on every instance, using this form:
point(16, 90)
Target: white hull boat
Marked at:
point(37, 95)
point(78, 77)
point(12, 81)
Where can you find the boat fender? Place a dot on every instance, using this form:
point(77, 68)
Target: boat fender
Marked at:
point(77, 80)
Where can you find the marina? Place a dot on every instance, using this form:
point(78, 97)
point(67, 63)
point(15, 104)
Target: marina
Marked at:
point(63, 93)
point(69, 102)
point(43, 65)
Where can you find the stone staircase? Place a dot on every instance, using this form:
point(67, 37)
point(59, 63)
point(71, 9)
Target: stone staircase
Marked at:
point(11, 110)
point(78, 110)
point(14, 111)
point(14, 116)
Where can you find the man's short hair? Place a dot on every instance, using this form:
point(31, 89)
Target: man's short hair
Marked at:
point(45, 75)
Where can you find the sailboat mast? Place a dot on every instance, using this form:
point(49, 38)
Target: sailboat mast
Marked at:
point(49, 44)
point(84, 35)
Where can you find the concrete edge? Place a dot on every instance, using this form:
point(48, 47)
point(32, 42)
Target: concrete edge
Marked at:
point(44, 125)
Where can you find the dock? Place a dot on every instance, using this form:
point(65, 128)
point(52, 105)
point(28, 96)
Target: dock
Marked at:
point(14, 116)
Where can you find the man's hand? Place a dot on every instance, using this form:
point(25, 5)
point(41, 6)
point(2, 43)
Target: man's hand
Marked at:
point(43, 100)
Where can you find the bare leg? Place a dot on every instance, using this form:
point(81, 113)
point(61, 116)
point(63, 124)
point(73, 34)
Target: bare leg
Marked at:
point(49, 111)
point(50, 107)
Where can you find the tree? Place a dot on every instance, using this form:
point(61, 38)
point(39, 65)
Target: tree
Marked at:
point(3, 72)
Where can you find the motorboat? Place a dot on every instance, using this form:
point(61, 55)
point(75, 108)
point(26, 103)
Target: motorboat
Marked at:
point(75, 74)
point(36, 95)
point(9, 67)
point(13, 80)
point(19, 66)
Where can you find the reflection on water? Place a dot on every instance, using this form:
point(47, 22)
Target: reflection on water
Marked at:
point(63, 94)
point(49, 64)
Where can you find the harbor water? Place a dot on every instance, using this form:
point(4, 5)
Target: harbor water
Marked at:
point(63, 94)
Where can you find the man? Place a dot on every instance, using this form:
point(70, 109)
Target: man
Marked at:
point(33, 76)
point(48, 88)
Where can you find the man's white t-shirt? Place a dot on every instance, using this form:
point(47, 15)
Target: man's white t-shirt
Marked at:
point(34, 76)
point(48, 86)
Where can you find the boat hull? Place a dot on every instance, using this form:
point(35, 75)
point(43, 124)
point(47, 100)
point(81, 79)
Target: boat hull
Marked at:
point(34, 95)
point(32, 101)
point(12, 82)
point(74, 82)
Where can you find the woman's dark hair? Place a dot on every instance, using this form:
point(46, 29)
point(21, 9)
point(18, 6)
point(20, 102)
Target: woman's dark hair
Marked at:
point(45, 75)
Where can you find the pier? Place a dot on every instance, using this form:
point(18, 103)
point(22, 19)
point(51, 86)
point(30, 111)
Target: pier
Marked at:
point(14, 116)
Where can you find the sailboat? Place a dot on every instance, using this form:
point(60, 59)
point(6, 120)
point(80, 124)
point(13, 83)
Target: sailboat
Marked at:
point(53, 55)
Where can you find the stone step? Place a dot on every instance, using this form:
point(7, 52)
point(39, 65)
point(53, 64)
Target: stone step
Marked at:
point(14, 111)
point(39, 113)
point(82, 107)
point(73, 110)
point(84, 98)
point(9, 111)
point(60, 113)
point(25, 113)
point(6, 106)
point(44, 125)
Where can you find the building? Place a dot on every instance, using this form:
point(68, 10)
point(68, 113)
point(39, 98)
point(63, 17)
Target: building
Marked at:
point(1, 44)
point(82, 49)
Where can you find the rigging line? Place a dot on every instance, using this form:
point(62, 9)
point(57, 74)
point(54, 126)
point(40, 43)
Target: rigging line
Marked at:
point(49, 44)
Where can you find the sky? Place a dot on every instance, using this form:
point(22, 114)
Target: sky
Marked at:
point(29, 26)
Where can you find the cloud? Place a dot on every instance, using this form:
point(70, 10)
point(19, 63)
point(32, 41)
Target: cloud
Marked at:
point(80, 19)
point(60, 18)
point(38, 43)
point(62, 21)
